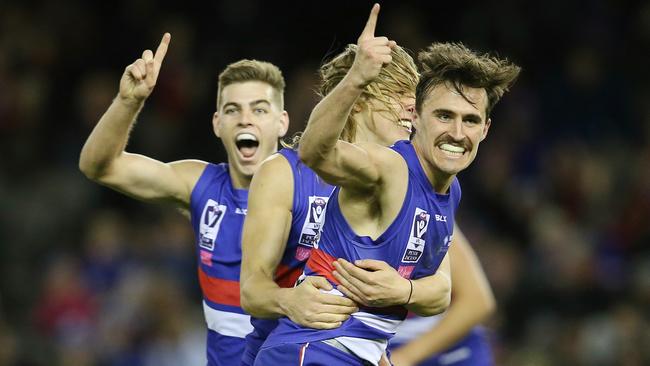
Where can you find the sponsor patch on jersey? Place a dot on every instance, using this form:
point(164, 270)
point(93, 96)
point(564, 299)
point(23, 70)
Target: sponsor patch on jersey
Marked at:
point(415, 246)
point(302, 253)
point(206, 258)
point(310, 228)
point(405, 271)
point(211, 218)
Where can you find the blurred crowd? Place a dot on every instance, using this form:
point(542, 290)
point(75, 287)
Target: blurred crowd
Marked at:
point(557, 204)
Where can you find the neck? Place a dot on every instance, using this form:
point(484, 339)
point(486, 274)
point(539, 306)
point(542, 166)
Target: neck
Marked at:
point(440, 181)
point(238, 179)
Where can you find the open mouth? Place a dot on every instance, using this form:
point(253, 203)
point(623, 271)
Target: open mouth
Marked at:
point(406, 124)
point(247, 144)
point(452, 150)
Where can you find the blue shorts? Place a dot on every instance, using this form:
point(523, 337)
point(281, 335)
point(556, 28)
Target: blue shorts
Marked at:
point(306, 354)
point(224, 350)
point(473, 350)
point(253, 345)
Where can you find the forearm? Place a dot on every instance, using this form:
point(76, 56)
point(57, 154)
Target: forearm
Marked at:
point(262, 297)
point(109, 137)
point(328, 119)
point(431, 295)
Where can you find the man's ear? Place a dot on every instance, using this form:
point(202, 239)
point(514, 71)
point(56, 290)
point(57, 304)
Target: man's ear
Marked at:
point(284, 121)
point(216, 123)
point(486, 128)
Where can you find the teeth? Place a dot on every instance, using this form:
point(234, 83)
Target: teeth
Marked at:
point(246, 136)
point(452, 148)
point(406, 124)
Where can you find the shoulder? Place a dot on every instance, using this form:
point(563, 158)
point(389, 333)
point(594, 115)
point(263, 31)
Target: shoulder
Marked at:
point(275, 164)
point(273, 171)
point(272, 181)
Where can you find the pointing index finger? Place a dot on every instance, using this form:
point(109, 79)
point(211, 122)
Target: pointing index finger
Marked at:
point(371, 24)
point(162, 48)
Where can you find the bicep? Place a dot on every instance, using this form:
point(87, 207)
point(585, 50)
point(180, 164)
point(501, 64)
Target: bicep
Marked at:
point(268, 218)
point(354, 166)
point(151, 180)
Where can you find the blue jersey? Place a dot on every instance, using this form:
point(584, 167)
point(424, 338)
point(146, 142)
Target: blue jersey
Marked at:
point(472, 350)
point(218, 211)
point(414, 244)
point(310, 194)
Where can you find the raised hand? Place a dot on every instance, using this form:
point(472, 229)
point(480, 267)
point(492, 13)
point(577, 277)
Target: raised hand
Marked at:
point(310, 307)
point(372, 52)
point(140, 77)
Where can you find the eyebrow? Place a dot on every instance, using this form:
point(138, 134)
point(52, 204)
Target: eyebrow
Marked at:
point(471, 115)
point(253, 103)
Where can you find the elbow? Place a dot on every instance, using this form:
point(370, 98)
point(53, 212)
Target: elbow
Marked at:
point(489, 307)
point(247, 299)
point(88, 169)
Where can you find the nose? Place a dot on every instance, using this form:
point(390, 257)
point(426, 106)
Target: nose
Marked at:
point(246, 118)
point(456, 129)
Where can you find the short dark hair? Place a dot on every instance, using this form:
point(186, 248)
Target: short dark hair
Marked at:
point(457, 65)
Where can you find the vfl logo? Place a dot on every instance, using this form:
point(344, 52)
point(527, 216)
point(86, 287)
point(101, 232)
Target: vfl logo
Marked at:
point(415, 245)
point(211, 218)
point(310, 228)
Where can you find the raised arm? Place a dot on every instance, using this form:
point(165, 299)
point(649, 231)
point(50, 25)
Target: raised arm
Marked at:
point(266, 230)
point(472, 302)
point(104, 159)
point(336, 161)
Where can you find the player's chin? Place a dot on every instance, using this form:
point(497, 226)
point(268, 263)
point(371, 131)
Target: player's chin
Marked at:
point(248, 167)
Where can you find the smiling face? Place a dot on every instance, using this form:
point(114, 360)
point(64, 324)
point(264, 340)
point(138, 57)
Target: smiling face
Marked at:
point(449, 130)
point(392, 123)
point(249, 122)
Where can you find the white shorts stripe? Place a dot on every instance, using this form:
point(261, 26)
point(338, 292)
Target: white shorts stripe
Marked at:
point(226, 323)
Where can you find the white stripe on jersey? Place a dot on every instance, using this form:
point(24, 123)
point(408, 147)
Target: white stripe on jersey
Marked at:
point(412, 328)
point(227, 323)
point(377, 322)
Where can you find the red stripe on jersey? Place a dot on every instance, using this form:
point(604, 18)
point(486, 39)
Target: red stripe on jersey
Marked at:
point(321, 263)
point(286, 276)
point(219, 291)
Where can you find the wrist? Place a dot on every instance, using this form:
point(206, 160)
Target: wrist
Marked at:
point(410, 293)
point(355, 80)
point(283, 299)
point(129, 102)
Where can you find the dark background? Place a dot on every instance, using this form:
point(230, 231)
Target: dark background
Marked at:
point(557, 204)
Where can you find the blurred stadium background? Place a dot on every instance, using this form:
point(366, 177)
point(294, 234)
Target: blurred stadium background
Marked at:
point(557, 203)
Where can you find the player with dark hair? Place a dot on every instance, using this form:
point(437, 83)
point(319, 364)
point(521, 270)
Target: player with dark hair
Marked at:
point(392, 205)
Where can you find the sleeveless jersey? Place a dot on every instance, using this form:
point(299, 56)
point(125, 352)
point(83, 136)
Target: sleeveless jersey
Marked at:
point(310, 194)
point(217, 212)
point(414, 244)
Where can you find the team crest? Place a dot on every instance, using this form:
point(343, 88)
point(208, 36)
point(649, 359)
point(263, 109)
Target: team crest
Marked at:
point(311, 227)
point(211, 218)
point(415, 246)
